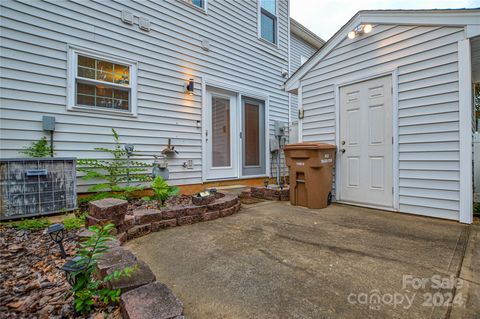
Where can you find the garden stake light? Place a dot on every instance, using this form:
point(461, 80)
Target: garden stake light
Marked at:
point(57, 232)
point(71, 268)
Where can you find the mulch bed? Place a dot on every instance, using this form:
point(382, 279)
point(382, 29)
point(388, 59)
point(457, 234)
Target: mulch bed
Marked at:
point(178, 200)
point(33, 286)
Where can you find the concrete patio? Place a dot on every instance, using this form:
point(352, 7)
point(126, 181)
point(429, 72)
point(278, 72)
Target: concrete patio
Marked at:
point(273, 260)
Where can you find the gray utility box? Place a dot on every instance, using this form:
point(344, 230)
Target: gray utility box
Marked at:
point(37, 186)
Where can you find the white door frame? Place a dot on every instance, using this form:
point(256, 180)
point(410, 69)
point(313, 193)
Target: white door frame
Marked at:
point(240, 91)
point(395, 164)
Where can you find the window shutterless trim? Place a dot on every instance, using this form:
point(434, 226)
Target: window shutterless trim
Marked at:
point(73, 53)
point(274, 19)
point(260, 10)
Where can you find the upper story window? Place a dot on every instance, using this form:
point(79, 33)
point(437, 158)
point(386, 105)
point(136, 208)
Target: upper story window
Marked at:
point(268, 20)
point(100, 83)
point(197, 3)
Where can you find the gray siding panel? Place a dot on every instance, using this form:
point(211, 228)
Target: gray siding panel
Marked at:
point(35, 39)
point(428, 108)
point(298, 48)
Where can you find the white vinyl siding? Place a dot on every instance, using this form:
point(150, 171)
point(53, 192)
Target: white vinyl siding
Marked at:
point(35, 38)
point(298, 48)
point(428, 106)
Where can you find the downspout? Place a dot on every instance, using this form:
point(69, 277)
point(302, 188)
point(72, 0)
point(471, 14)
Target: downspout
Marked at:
point(289, 71)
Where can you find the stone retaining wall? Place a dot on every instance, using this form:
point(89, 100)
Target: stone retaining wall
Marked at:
point(145, 221)
point(270, 193)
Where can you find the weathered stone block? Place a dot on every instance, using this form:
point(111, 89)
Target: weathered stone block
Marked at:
point(115, 256)
point(138, 231)
point(246, 194)
point(201, 201)
point(108, 208)
point(145, 216)
point(174, 212)
point(188, 220)
point(128, 223)
point(92, 221)
point(141, 275)
point(195, 210)
point(156, 226)
point(122, 237)
point(223, 203)
point(237, 207)
point(227, 211)
point(210, 215)
point(154, 300)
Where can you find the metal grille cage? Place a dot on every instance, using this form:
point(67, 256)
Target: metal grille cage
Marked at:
point(37, 186)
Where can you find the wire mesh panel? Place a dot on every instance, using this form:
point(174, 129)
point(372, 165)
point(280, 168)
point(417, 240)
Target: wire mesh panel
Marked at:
point(36, 186)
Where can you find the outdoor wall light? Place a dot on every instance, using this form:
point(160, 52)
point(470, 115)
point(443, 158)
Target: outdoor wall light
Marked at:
point(189, 86)
point(57, 232)
point(72, 268)
point(359, 30)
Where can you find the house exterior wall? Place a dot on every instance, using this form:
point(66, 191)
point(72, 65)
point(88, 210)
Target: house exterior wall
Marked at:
point(35, 39)
point(298, 48)
point(426, 61)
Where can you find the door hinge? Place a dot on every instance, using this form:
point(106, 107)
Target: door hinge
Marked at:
point(392, 190)
point(392, 139)
point(240, 135)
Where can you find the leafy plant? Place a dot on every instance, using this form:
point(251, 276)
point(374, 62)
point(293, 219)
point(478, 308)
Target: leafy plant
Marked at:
point(88, 286)
point(30, 224)
point(476, 209)
point(162, 191)
point(112, 172)
point(39, 148)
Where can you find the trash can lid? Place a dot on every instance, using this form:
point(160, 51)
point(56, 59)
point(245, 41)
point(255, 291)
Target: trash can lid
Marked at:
point(310, 146)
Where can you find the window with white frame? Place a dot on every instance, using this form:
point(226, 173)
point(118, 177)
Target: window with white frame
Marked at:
point(268, 20)
point(101, 83)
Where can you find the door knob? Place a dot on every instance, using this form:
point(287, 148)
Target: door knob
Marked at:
point(342, 150)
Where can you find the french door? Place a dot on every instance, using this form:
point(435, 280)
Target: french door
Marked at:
point(234, 135)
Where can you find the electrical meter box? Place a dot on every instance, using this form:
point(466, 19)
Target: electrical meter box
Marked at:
point(281, 128)
point(37, 186)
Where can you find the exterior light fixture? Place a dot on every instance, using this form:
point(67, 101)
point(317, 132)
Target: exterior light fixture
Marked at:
point(359, 30)
point(56, 233)
point(189, 86)
point(72, 268)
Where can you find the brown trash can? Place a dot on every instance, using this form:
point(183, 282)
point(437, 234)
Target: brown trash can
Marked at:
point(311, 173)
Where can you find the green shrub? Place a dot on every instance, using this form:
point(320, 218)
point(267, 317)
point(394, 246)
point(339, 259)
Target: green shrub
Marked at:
point(162, 191)
point(39, 148)
point(88, 287)
point(30, 224)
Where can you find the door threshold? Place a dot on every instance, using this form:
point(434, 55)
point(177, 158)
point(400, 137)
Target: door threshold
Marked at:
point(385, 208)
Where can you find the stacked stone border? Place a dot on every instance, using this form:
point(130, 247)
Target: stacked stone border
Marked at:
point(142, 296)
point(145, 221)
point(270, 193)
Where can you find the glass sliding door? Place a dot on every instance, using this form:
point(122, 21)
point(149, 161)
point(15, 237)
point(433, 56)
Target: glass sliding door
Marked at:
point(253, 133)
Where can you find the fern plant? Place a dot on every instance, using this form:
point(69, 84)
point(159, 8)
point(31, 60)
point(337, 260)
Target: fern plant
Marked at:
point(39, 148)
point(162, 191)
point(114, 171)
point(88, 286)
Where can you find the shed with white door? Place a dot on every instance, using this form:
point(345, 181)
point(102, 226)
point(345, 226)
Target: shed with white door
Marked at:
point(393, 90)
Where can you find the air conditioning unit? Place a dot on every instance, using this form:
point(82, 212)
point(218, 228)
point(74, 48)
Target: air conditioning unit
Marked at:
point(37, 186)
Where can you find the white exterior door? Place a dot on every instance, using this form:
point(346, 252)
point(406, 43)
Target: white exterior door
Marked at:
point(221, 131)
point(365, 150)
